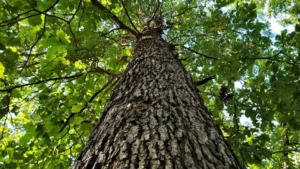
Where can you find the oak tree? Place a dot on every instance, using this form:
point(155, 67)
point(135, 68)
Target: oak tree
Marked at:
point(117, 84)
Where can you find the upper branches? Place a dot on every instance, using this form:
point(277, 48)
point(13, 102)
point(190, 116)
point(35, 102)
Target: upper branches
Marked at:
point(20, 18)
point(127, 14)
point(115, 18)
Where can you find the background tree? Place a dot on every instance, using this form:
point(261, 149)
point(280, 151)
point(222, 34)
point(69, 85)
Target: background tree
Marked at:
point(60, 59)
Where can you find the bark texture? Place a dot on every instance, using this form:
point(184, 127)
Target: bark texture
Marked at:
point(155, 119)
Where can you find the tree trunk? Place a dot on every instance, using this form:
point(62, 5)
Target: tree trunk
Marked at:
point(155, 119)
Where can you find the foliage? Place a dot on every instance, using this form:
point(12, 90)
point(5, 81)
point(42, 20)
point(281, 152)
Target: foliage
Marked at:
point(59, 60)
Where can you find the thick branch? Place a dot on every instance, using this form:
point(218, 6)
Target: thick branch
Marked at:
point(114, 18)
point(201, 82)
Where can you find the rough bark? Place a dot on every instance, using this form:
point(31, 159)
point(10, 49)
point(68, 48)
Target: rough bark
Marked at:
point(155, 119)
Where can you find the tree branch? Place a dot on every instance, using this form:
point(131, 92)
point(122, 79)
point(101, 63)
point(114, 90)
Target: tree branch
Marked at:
point(41, 81)
point(286, 151)
point(201, 82)
point(114, 18)
point(17, 18)
point(69, 24)
point(127, 14)
point(106, 33)
point(86, 105)
point(272, 58)
point(100, 70)
point(192, 50)
point(155, 11)
point(36, 54)
point(37, 40)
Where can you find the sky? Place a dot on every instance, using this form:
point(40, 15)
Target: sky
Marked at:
point(276, 27)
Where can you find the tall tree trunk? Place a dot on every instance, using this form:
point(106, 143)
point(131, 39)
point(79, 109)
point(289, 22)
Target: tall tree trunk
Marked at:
point(156, 119)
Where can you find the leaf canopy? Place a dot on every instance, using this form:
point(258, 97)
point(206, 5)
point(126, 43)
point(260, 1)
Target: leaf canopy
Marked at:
point(59, 60)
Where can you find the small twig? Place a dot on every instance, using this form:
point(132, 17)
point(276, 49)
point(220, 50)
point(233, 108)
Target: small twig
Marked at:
point(286, 151)
point(69, 24)
point(137, 16)
point(52, 6)
point(99, 91)
point(64, 134)
point(101, 70)
point(77, 9)
point(236, 119)
point(112, 30)
point(36, 54)
point(54, 16)
point(6, 111)
point(4, 125)
point(184, 11)
point(272, 58)
point(40, 81)
point(81, 16)
point(37, 40)
point(201, 54)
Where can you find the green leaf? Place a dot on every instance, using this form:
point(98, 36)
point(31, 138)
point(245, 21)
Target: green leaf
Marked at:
point(263, 137)
point(297, 27)
point(26, 138)
point(16, 94)
point(2, 69)
point(3, 112)
point(15, 109)
point(30, 127)
point(44, 97)
point(76, 108)
point(46, 138)
point(9, 60)
point(274, 68)
point(33, 3)
point(86, 126)
point(10, 151)
point(35, 20)
point(248, 49)
point(77, 120)
point(256, 158)
point(4, 100)
point(2, 47)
